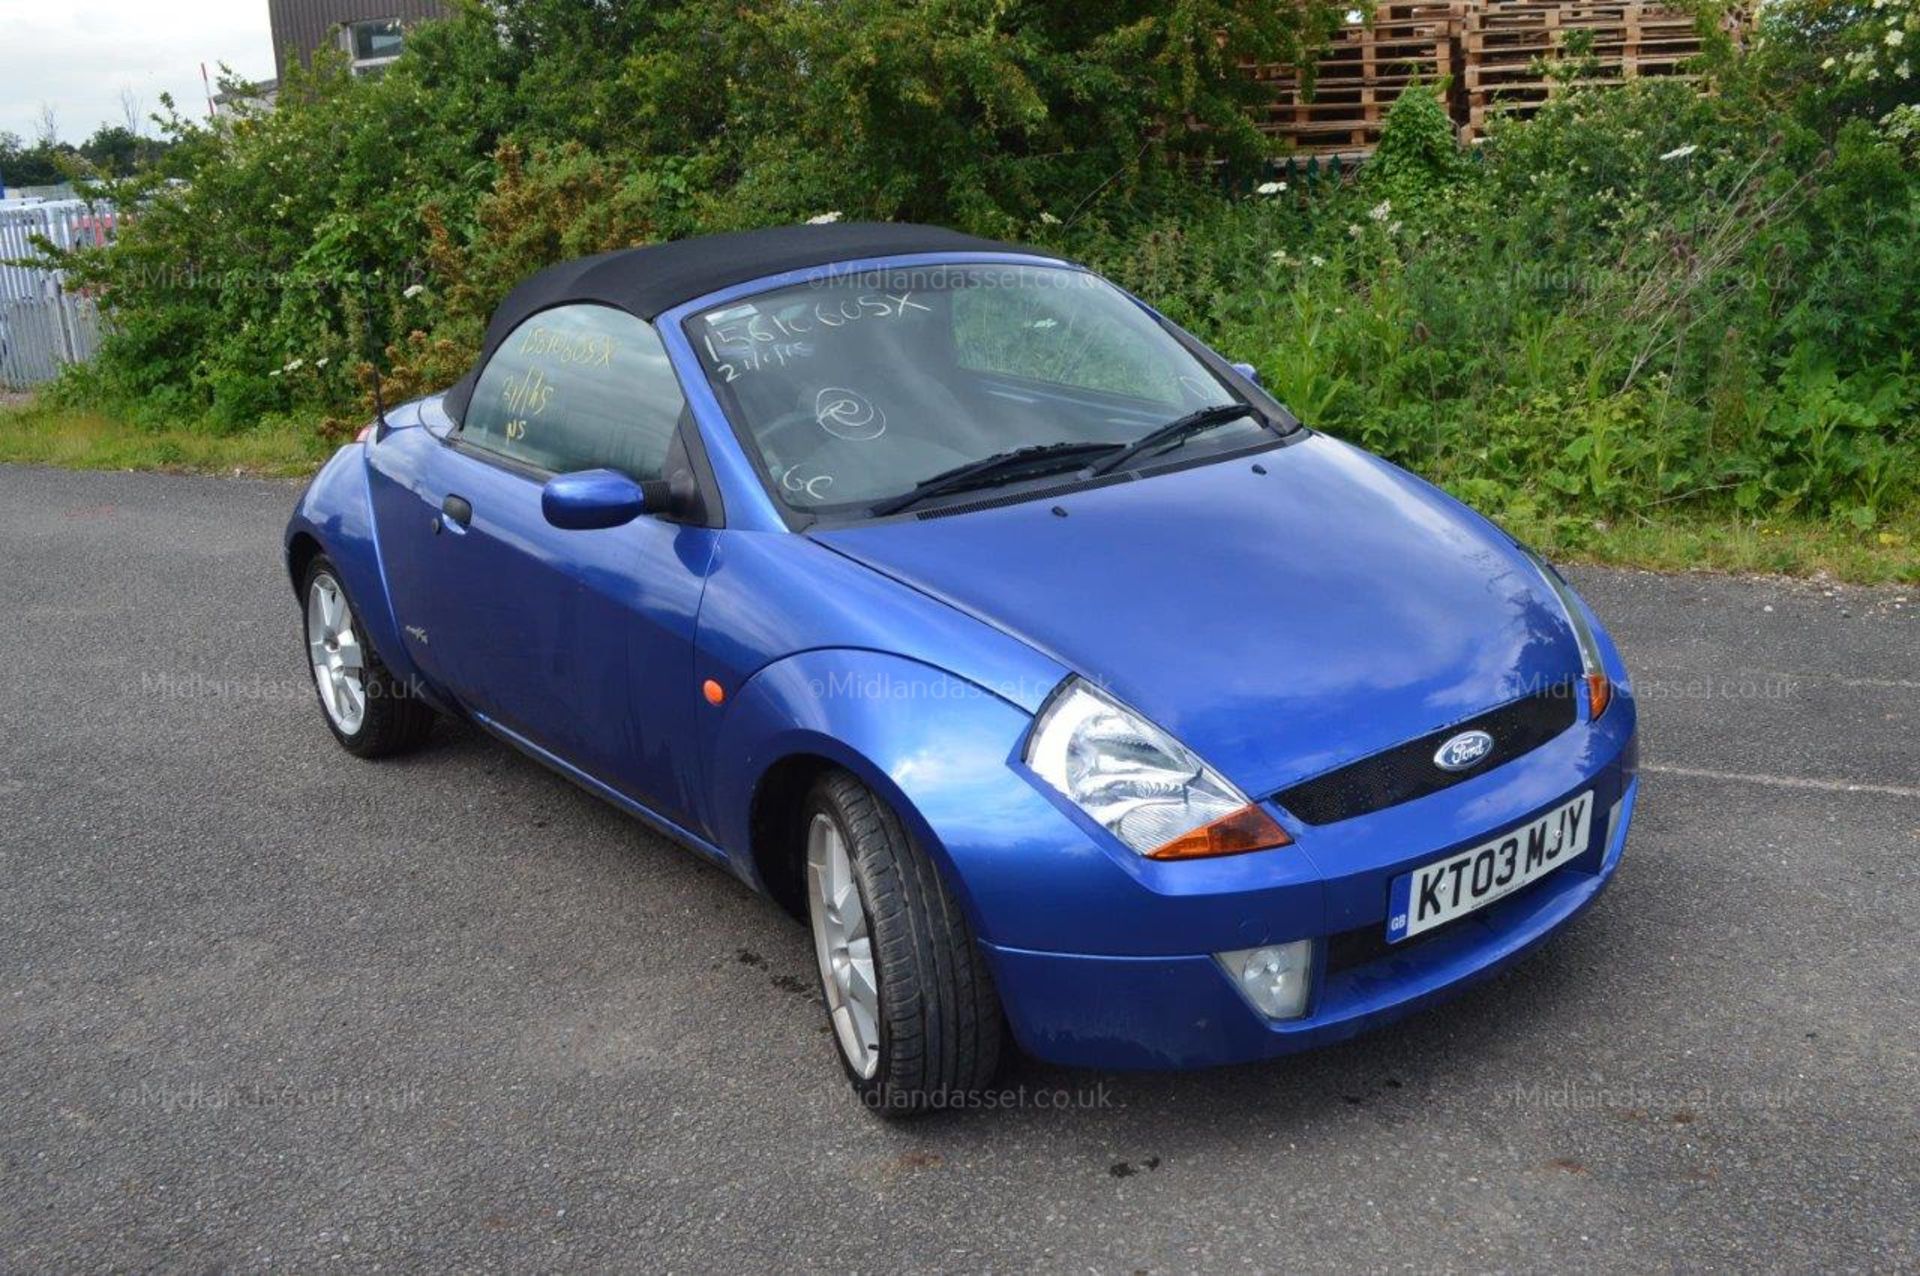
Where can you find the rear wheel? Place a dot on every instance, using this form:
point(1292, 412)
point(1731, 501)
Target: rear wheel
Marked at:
point(915, 1017)
point(370, 712)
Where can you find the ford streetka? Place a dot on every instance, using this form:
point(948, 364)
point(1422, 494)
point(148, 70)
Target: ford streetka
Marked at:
point(1076, 695)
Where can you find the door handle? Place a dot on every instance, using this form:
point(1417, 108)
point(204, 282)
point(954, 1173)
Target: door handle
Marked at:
point(456, 511)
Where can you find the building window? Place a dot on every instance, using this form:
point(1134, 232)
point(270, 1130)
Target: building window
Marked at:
point(373, 43)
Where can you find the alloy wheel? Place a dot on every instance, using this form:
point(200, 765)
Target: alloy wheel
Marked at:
point(339, 663)
point(844, 945)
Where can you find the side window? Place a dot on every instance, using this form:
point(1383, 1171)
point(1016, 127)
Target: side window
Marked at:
point(577, 388)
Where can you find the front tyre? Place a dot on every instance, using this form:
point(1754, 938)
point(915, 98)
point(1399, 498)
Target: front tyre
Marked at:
point(913, 1008)
point(370, 712)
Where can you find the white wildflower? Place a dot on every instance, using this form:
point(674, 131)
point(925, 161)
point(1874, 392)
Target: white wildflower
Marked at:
point(1354, 229)
point(1048, 219)
point(1317, 260)
point(1394, 228)
point(1904, 71)
point(1894, 38)
point(1270, 188)
point(295, 365)
point(321, 363)
point(824, 219)
point(1680, 152)
point(1827, 65)
point(413, 290)
point(1280, 255)
point(274, 373)
point(1382, 210)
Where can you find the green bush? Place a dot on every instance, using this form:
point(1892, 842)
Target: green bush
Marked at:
point(304, 237)
point(1641, 300)
point(1633, 302)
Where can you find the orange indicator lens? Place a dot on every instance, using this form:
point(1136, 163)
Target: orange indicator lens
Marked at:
point(1247, 829)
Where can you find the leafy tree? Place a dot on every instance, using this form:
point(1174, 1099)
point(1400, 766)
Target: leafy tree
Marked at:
point(297, 239)
point(39, 164)
point(115, 150)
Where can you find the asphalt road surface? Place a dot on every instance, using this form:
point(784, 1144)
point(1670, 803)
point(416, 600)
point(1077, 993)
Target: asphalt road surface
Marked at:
point(263, 1005)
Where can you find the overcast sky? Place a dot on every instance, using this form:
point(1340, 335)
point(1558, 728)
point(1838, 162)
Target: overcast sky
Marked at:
point(77, 57)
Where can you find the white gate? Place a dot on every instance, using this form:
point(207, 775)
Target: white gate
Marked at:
point(42, 324)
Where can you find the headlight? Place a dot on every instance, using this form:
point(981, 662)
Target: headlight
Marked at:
point(1139, 783)
point(1594, 674)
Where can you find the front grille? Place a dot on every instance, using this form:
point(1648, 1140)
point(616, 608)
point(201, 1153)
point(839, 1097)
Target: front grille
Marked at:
point(1365, 944)
point(1408, 771)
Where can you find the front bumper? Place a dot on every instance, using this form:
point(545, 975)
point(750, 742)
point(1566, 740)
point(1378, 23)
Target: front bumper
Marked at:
point(1181, 1010)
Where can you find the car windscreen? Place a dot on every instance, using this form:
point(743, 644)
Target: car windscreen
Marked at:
point(856, 387)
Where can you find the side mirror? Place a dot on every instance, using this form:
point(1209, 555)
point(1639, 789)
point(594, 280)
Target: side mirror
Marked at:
point(593, 499)
point(1248, 371)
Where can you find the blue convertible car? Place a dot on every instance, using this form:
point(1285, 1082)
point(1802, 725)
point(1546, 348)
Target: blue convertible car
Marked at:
point(1075, 693)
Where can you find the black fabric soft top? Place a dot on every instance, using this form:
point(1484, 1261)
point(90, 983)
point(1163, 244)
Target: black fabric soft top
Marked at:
point(647, 281)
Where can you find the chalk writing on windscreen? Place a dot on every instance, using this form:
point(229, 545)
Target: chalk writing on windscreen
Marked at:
point(746, 339)
point(848, 414)
point(798, 481)
point(1197, 388)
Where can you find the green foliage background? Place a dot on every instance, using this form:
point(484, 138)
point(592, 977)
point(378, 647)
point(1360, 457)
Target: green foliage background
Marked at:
point(1642, 302)
point(112, 150)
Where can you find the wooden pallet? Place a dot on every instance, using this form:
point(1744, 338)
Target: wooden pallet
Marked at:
point(1357, 78)
point(1504, 44)
point(1490, 53)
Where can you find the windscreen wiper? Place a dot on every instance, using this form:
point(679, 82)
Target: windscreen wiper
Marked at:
point(1175, 430)
point(1039, 458)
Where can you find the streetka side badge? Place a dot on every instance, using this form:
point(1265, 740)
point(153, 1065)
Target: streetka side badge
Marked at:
point(1463, 751)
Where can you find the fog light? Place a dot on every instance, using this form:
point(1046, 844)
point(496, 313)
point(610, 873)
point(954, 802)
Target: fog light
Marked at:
point(1275, 978)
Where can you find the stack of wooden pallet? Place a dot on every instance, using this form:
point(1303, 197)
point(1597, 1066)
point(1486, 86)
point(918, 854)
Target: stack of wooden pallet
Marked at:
point(1507, 47)
point(1340, 108)
point(1493, 55)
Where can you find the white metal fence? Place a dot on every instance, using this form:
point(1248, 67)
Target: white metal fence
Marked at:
point(43, 325)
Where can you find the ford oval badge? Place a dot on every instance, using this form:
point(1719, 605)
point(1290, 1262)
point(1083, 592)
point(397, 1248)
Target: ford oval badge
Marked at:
point(1463, 751)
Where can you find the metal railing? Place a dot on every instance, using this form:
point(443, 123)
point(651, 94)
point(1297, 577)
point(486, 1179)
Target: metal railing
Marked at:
point(44, 325)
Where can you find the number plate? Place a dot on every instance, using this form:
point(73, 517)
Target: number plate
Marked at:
point(1436, 893)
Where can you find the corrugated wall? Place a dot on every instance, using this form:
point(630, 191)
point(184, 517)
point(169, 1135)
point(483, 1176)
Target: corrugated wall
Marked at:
point(42, 325)
point(301, 26)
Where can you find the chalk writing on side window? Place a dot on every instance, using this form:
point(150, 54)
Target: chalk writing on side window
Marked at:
point(579, 348)
point(528, 395)
point(524, 396)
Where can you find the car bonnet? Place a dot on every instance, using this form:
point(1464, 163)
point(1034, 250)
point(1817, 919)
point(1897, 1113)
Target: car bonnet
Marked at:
point(1281, 614)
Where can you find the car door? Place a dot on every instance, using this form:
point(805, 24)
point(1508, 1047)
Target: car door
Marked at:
point(580, 642)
